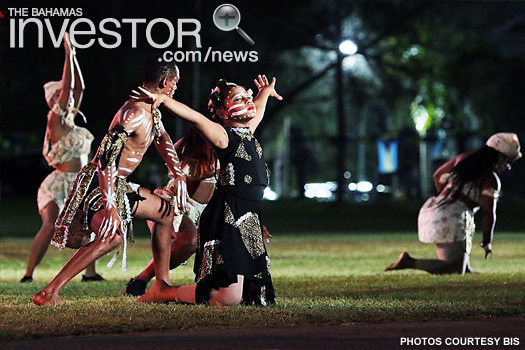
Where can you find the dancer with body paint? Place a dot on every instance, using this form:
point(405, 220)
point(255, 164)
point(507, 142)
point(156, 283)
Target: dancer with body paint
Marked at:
point(231, 263)
point(104, 202)
point(198, 165)
point(70, 147)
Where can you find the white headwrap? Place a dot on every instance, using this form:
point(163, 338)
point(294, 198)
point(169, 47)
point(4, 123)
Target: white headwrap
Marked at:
point(506, 143)
point(50, 90)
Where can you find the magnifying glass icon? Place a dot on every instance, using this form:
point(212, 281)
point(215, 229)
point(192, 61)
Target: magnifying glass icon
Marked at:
point(227, 17)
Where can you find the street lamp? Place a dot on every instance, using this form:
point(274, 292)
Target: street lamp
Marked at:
point(347, 47)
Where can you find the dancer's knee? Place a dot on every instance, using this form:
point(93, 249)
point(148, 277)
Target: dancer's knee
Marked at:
point(109, 244)
point(188, 242)
point(186, 238)
point(115, 241)
point(451, 252)
point(230, 297)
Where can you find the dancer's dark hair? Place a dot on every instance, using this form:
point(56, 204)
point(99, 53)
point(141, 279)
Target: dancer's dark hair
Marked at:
point(217, 97)
point(196, 152)
point(156, 70)
point(471, 169)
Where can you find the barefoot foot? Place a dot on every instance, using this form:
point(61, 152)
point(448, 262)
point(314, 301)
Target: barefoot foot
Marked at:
point(404, 261)
point(160, 292)
point(43, 298)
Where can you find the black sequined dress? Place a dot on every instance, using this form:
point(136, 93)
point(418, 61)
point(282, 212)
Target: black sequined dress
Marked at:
point(230, 240)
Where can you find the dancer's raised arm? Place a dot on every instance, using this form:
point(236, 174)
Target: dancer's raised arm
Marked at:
point(77, 84)
point(211, 131)
point(266, 90)
point(58, 93)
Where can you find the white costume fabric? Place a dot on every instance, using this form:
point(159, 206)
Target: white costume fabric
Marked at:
point(451, 222)
point(446, 224)
point(195, 208)
point(55, 188)
point(76, 144)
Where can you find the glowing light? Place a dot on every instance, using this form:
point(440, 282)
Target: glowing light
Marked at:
point(270, 195)
point(364, 186)
point(412, 51)
point(420, 116)
point(320, 190)
point(348, 47)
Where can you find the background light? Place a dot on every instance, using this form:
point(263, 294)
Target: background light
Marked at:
point(320, 190)
point(364, 186)
point(270, 195)
point(348, 47)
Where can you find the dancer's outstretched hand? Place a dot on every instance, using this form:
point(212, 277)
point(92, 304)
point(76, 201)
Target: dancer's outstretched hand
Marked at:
point(145, 95)
point(262, 84)
point(266, 234)
point(68, 45)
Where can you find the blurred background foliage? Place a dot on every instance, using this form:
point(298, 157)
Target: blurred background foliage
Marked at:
point(440, 74)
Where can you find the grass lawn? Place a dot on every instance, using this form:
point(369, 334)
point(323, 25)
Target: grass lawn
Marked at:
point(321, 278)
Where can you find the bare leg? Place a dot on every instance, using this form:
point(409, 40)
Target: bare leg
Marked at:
point(450, 260)
point(229, 296)
point(43, 237)
point(154, 208)
point(91, 269)
point(183, 245)
point(455, 256)
point(404, 261)
point(78, 262)
point(186, 294)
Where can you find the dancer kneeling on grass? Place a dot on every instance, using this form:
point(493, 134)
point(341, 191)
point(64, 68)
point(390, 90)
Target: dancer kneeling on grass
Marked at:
point(231, 263)
point(199, 166)
point(102, 201)
point(464, 184)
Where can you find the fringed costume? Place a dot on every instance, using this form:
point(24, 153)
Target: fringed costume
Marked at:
point(72, 228)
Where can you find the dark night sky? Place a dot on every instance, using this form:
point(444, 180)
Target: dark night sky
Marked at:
point(276, 27)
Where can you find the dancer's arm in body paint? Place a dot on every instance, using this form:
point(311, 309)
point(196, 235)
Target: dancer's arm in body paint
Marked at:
point(176, 186)
point(213, 132)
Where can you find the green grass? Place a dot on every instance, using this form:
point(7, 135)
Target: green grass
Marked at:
point(321, 278)
point(19, 217)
